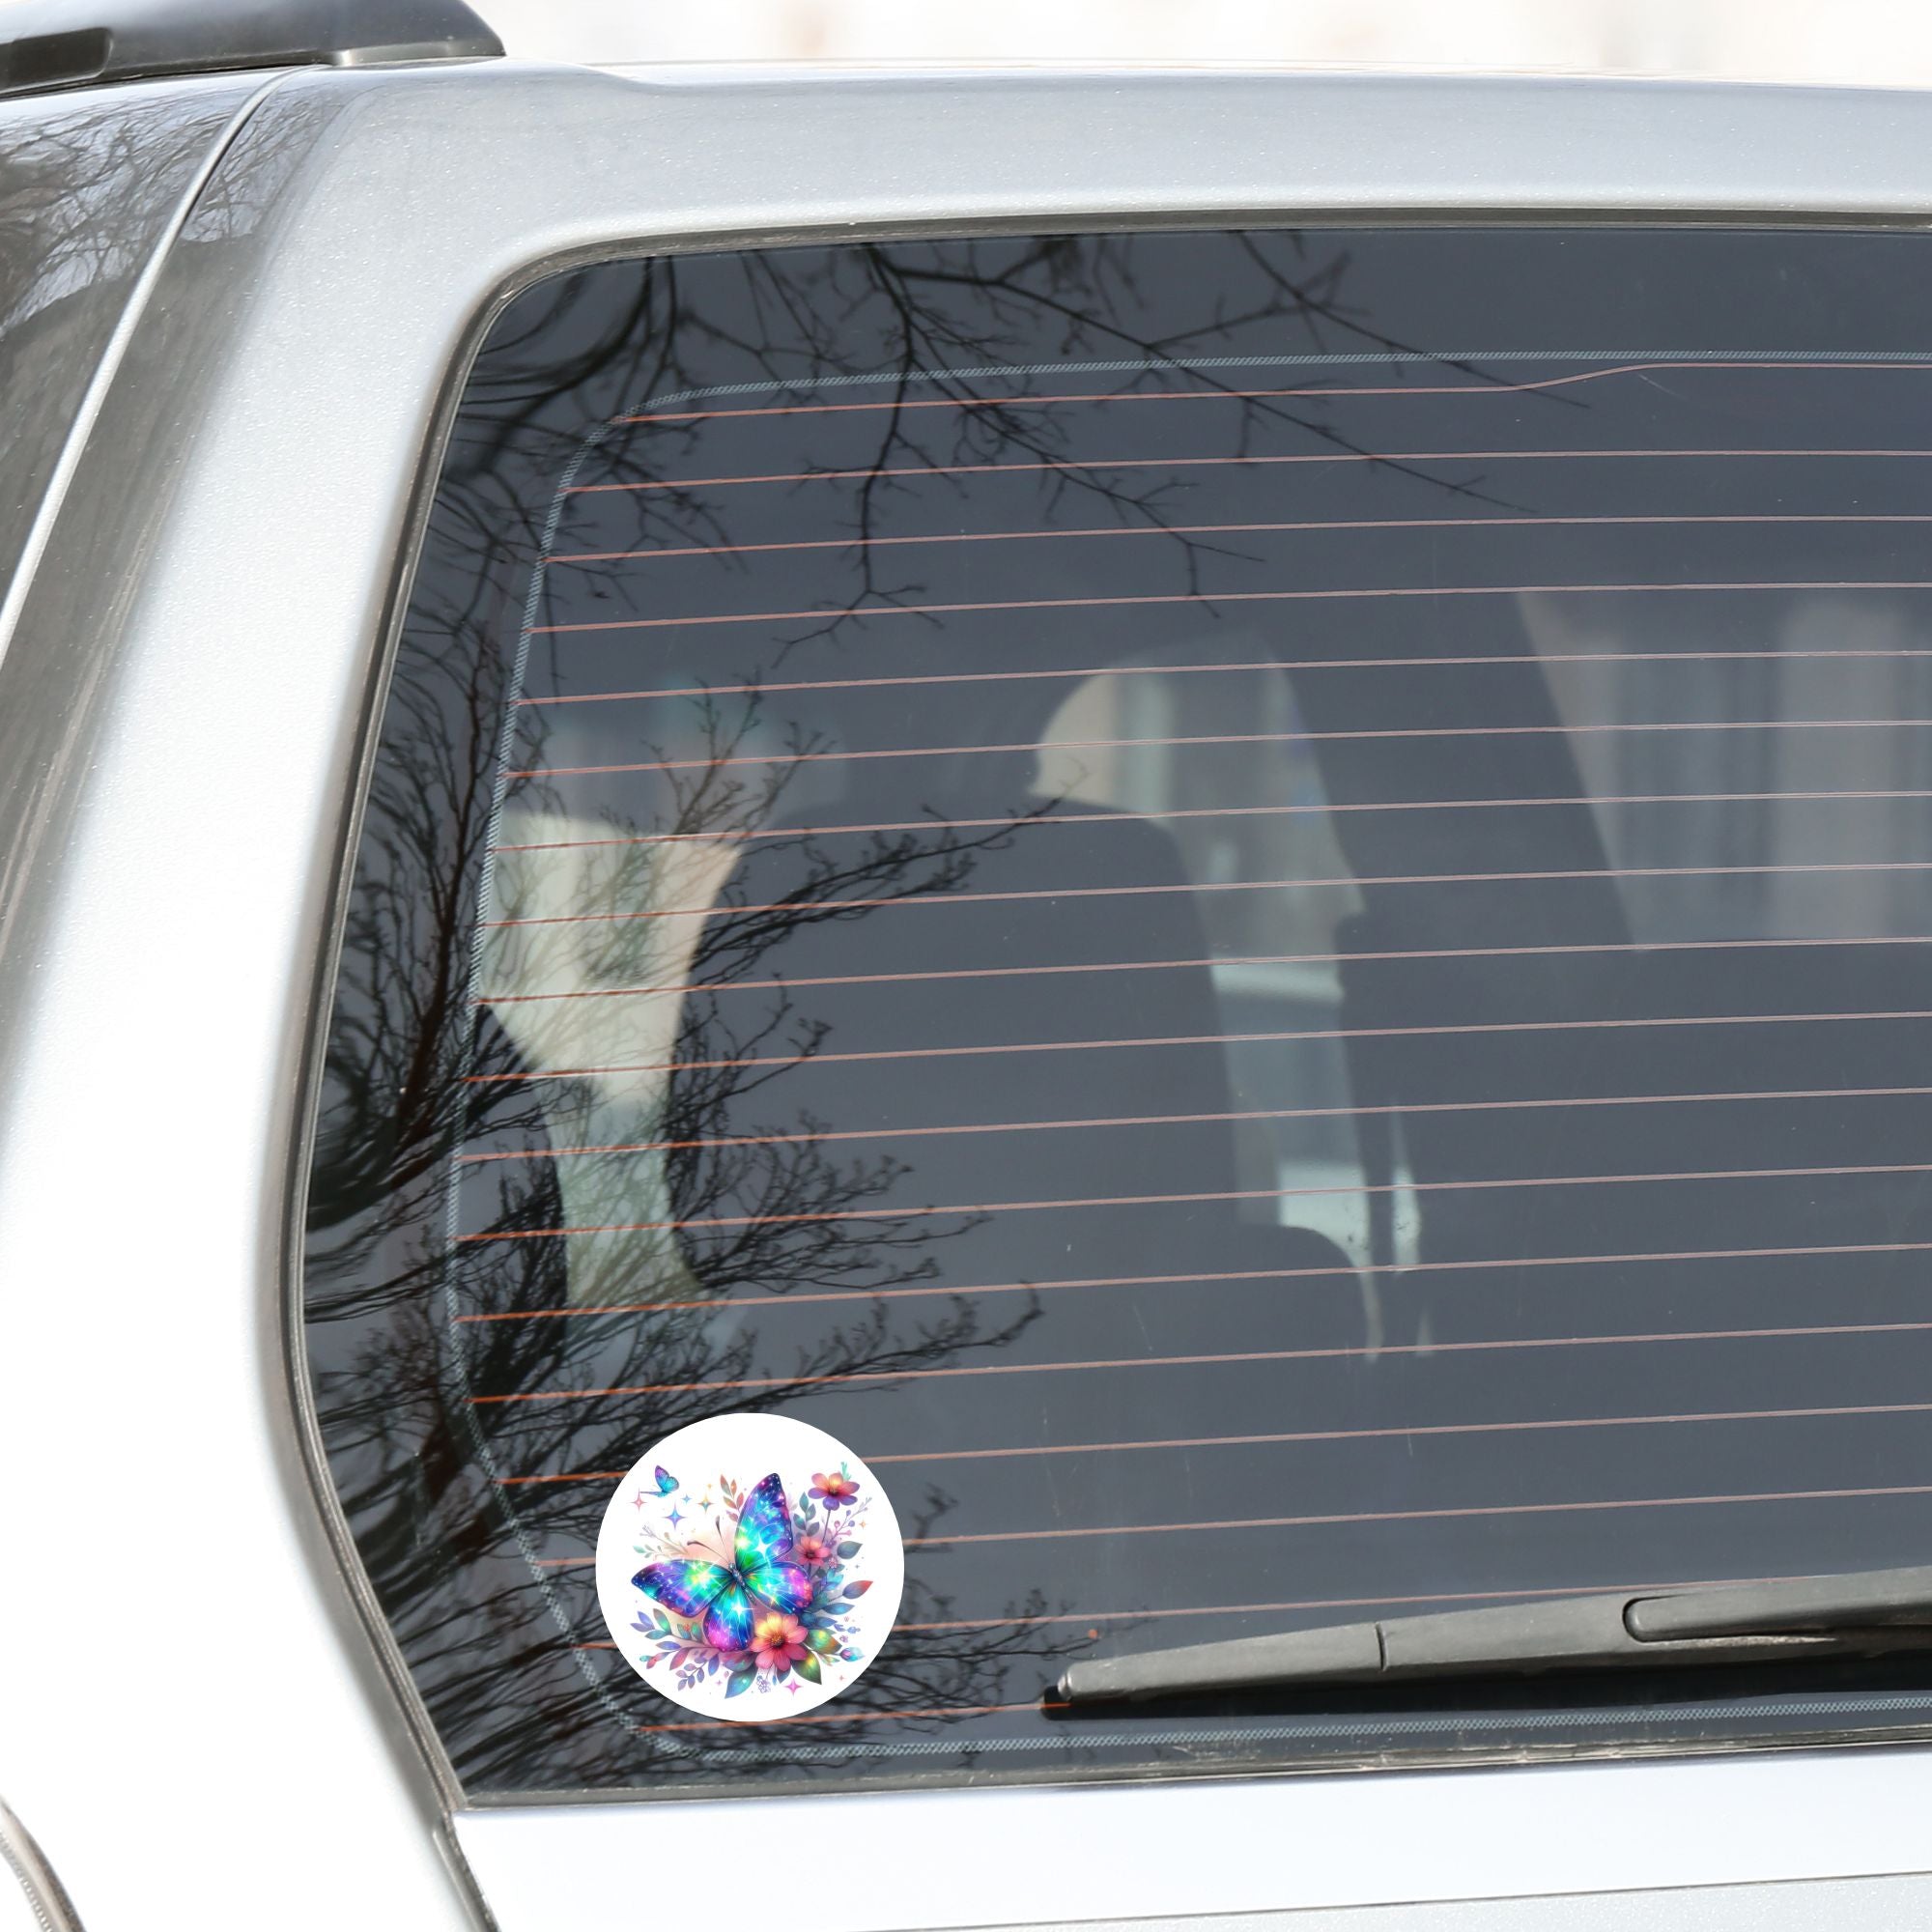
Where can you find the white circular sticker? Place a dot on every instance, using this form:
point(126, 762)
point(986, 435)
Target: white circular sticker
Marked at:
point(750, 1567)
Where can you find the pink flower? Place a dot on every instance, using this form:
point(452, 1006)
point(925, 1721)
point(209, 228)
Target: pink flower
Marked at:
point(834, 1490)
point(777, 1643)
point(811, 1548)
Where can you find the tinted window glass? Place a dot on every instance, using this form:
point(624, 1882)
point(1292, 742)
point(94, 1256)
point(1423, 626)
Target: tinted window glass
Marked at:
point(1253, 907)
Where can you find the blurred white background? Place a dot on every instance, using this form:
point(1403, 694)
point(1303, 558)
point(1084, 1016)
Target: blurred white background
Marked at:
point(1868, 41)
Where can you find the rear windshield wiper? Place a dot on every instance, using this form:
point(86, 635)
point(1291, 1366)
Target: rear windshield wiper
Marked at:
point(1869, 1611)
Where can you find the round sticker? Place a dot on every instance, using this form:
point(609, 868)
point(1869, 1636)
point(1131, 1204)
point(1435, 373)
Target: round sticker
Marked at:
point(750, 1567)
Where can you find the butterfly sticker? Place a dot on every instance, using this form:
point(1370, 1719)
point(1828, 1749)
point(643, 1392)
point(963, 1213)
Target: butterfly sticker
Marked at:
point(769, 1604)
point(728, 1600)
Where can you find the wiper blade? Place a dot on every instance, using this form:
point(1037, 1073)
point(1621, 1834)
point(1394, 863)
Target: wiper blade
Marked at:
point(1861, 1614)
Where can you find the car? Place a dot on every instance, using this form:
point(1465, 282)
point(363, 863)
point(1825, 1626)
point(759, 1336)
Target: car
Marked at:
point(828, 1082)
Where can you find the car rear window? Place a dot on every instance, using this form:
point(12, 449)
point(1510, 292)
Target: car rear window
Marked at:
point(1254, 906)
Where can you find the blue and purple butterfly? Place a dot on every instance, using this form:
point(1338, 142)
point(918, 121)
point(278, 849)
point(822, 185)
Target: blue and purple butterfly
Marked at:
point(728, 1600)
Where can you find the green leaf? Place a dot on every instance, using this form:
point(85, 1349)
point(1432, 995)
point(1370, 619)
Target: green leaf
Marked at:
point(824, 1641)
point(807, 1668)
point(740, 1683)
point(847, 1550)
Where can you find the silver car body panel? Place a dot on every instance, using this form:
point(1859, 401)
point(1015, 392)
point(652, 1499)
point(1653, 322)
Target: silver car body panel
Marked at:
point(38, 1902)
point(90, 190)
point(184, 716)
point(1347, 1845)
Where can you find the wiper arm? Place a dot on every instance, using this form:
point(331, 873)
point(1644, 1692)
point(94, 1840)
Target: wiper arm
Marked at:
point(1869, 1611)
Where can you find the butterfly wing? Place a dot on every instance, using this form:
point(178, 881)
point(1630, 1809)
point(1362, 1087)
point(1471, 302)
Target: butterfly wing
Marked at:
point(687, 1588)
point(763, 1542)
point(728, 1601)
point(665, 1481)
point(728, 1622)
point(764, 1526)
point(782, 1585)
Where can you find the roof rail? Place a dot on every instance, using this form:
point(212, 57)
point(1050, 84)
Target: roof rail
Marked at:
point(56, 43)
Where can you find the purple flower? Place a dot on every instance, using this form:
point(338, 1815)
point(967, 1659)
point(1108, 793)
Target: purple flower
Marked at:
point(834, 1490)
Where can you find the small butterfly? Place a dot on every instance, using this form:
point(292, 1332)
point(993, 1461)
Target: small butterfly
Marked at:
point(666, 1482)
point(728, 1600)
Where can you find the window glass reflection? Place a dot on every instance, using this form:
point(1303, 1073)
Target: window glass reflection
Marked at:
point(1253, 912)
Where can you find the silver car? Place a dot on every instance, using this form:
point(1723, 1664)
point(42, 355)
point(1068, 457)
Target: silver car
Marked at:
point(1011, 1025)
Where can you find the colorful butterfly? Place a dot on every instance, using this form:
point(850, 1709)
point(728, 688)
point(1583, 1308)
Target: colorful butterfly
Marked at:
point(728, 1601)
point(666, 1482)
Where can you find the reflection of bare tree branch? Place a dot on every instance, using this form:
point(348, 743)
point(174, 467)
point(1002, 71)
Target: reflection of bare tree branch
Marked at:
point(86, 185)
point(655, 343)
point(394, 1384)
point(1056, 280)
point(63, 178)
point(612, 1258)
